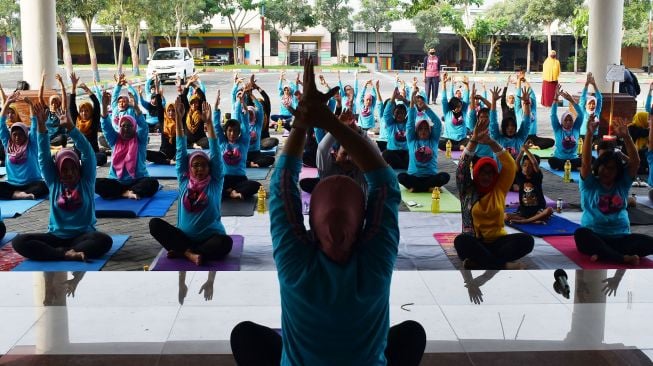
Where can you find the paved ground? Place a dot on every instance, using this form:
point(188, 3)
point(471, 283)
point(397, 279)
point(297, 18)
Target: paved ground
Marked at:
point(141, 248)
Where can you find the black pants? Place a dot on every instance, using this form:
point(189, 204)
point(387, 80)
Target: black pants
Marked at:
point(397, 159)
point(59, 140)
point(308, 184)
point(559, 164)
point(423, 184)
point(3, 230)
point(254, 344)
point(100, 157)
point(48, 247)
point(262, 160)
point(109, 188)
point(240, 184)
point(432, 85)
point(157, 157)
point(38, 189)
point(203, 142)
point(269, 142)
point(541, 142)
point(382, 145)
point(507, 248)
point(172, 238)
point(612, 248)
point(455, 145)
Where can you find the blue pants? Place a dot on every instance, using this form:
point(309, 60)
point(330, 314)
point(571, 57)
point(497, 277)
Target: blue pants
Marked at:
point(432, 85)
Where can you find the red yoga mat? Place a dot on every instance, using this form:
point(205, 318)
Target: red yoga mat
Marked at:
point(567, 246)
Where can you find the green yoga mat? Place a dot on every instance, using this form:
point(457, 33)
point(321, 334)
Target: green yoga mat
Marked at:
point(448, 202)
point(544, 154)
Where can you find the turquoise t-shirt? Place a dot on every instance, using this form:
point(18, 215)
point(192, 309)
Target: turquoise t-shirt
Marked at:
point(604, 210)
point(334, 314)
point(28, 171)
point(423, 154)
point(395, 131)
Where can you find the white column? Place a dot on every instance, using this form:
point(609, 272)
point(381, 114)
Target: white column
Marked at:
point(604, 39)
point(39, 41)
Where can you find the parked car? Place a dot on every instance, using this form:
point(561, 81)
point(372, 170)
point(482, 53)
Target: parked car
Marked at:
point(170, 63)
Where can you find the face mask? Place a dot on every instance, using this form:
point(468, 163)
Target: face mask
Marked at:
point(431, 53)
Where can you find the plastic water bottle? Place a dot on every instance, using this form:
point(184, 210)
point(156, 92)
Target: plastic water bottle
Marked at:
point(559, 205)
point(580, 146)
point(260, 204)
point(567, 175)
point(448, 149)
point(435, 200)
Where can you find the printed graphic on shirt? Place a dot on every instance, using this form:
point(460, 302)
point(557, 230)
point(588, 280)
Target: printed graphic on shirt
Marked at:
point(69, 200)
point(424, 154)
point(610, 203)
point(195, 201)
point(400, 136)
point(232, 156)
point(529, 195)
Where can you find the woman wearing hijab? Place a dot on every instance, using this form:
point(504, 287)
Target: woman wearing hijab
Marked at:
point(194, 126)
point(56, 104)
point(349, 94)
point(71, 232)
point(639, 131)
point(592, 104)
point(234, 145)
point(335, 279)
point(12, 117)
point(128, 176)
point(24, 179)
point(484, 242)
point(367, 102)
point(168, 149)
point(422, 138)
point(256, 116)
point(87, 119)
point(566, 132)
point(199, 234)
point(454, 110)
point(604, 185)
point(511, 137)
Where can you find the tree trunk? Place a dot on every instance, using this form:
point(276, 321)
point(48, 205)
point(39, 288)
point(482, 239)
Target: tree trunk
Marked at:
point(133, 34)
point(115, 50)
point(179, 24)
point(14, 56)
point(528, 54)
point(288, 50)
point(234, 38)
point(471, 46)
point(150, 45)
point(65, 43)
point(91, 48)
point(548, 37)
point(121, 50)
point(337, 49)
point(169, 40)
point(575, 54)
point(377, 36)
point(493, 43)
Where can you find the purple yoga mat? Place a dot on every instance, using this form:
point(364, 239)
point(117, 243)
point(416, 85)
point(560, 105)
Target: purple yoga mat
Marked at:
point(306, 202)
point(512, 200)
point(229, 263)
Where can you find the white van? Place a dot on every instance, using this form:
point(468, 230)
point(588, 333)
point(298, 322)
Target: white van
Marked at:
point(170, 62)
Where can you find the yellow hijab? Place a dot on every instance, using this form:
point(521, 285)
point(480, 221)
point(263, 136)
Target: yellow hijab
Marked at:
point(640, 120)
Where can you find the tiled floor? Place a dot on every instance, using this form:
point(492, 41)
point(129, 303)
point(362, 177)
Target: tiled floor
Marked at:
point(125, 318)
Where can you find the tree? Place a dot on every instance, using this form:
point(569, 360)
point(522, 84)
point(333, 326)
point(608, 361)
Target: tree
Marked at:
point(579, 25)
point(635, 23)
point(133, 12)
point(86, 11)
point(10, 23)
point(290, 16)
point(547, 12)
point(65, 11)
point(239, 13)
point(494, 25)
point(427, 24)
point(377, 15)
point(334, 16)
point(520, 25)
point(112, 17)
point(476, 32)
point(158, 22)
point(414, 7)
point(187, 13)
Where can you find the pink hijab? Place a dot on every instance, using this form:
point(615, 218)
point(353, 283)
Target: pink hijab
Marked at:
point(337, 213)
point(18, 153)
point(195, 198)
point(125, 153)
point(69, 199)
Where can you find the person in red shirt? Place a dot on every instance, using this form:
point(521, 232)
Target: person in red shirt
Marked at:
point(431, 76)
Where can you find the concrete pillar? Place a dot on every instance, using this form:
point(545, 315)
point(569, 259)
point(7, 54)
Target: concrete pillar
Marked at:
point(604, 39)
point(39, 40)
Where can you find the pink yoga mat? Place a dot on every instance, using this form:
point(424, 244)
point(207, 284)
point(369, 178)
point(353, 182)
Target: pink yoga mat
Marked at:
point(229, 263)
point(512, 200)
point(307, 172)
point(567, 246)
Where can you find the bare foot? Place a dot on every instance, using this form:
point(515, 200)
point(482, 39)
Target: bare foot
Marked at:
point(20, 195)
point(172, 162)
point(253, 165)
point(72, 255)
point(236, 195)
point(594, 258)
point(515, 265)
point(633, 260)
point(193, 257)
point(131, 195)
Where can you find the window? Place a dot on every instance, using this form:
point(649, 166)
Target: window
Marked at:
point(274, 44)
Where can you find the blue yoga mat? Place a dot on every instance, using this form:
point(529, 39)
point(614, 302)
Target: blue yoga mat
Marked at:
point(3, 170)
point(556, 226)
point(8, 237)
point(257, 173)
point(15, 208)
point(271, 152)
point(92, 265)
point(575, 175)
point(162, 171)
point(155, 206)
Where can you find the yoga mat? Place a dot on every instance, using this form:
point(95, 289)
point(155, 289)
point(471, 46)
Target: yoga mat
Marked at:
point(3, 170)
point(567, 246)
point(575, 175)
point(307, 172)
point(639, 217)
point(7, 238)
point(306, 201)
point(641, 200)
point(15, 208)
point(455, 154)
point(271, 152)
point(155, 206)
point(237, 207)
point(229, 263)
point(8, 257)
point(556, 225)
point(512, 200)
point(544, 154)
point(448, 202)
point(257, 173)
point(162, 171)
point(91, 265)
point(445, 240)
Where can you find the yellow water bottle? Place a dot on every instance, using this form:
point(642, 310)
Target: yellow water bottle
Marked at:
point(567, 175)
point(580, 146)
point(280, 125)
point(435, 200)
point(260, 204)
point(448, 149)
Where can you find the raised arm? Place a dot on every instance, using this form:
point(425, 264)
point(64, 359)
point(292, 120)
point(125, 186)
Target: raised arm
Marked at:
point(42, 88)
point(181, 156)
point(586, 158)
point(64, 99)
point(48, 170)
point(620, 128)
